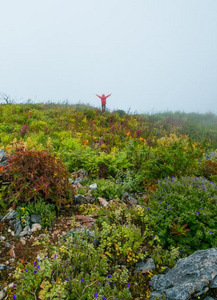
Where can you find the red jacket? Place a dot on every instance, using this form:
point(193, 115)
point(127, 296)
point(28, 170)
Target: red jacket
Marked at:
point(103, 98)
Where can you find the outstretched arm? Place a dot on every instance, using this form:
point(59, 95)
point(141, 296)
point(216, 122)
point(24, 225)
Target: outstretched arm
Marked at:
point(98, 96)
point(108, 96)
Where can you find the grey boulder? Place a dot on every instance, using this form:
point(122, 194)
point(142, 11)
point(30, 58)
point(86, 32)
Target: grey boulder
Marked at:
point(191, 276)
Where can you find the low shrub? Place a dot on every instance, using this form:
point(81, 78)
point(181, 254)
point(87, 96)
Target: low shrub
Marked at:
point(183, 213)
point(108, 189)
point(73, 270)
point(45, 210)
point(210, 169)
point(119, 215)
point(36, 175)
point(95, 264)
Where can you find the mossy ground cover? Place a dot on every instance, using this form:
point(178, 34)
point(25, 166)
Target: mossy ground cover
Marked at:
point(155, 158)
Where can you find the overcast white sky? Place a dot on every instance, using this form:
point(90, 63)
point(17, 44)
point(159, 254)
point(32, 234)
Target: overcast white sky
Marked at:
point(152, 55)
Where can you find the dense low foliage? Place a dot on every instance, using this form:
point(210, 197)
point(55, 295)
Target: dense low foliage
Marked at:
point(183, 213)
point(46, 211)
point(95, 264)
point(134, 148)
point(167, 162)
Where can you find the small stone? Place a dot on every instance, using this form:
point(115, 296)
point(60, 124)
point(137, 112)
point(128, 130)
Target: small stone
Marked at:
point(18, 227)
point(89, 199)
point(56, 232)
point(93, 186)
point(2, 294)
point(31, 239)
point(9, 230)
point(35, 218)
point(36, 227)
point(42, 236)
point(3, 155)
point(11, 215)
point(71, 180)
point(7, 245)
point(26, 231)
point(38, 257)
point(11, 285)
point(2, 267)
point(12, 253)
point(69, 222)
point(103, 202)
point(82, 173)
point(2, 238)
point(23, 241)
point(78, 180)
point(80, 199)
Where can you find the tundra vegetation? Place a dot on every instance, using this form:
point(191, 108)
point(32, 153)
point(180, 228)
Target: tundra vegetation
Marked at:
point(165, 161)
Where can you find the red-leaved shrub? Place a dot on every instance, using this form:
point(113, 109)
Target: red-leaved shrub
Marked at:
point(36, 174)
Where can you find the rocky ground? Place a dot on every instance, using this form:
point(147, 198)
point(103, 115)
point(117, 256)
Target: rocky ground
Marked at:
point(23, 249)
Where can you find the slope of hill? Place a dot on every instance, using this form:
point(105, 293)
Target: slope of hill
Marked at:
point(144, 184)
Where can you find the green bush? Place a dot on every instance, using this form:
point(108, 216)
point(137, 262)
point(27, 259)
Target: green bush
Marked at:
point(45, 210)
point(122, 244)
point(183, 213)
point(118, 215)
point(209, 169)
point(107, 189)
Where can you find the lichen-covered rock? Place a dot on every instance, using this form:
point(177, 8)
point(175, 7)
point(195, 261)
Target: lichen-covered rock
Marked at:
point(193, 275)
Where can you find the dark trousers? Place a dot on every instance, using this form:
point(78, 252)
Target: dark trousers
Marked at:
point(103, 107)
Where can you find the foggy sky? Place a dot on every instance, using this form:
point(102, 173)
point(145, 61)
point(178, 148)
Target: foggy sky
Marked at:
point(151, 55)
